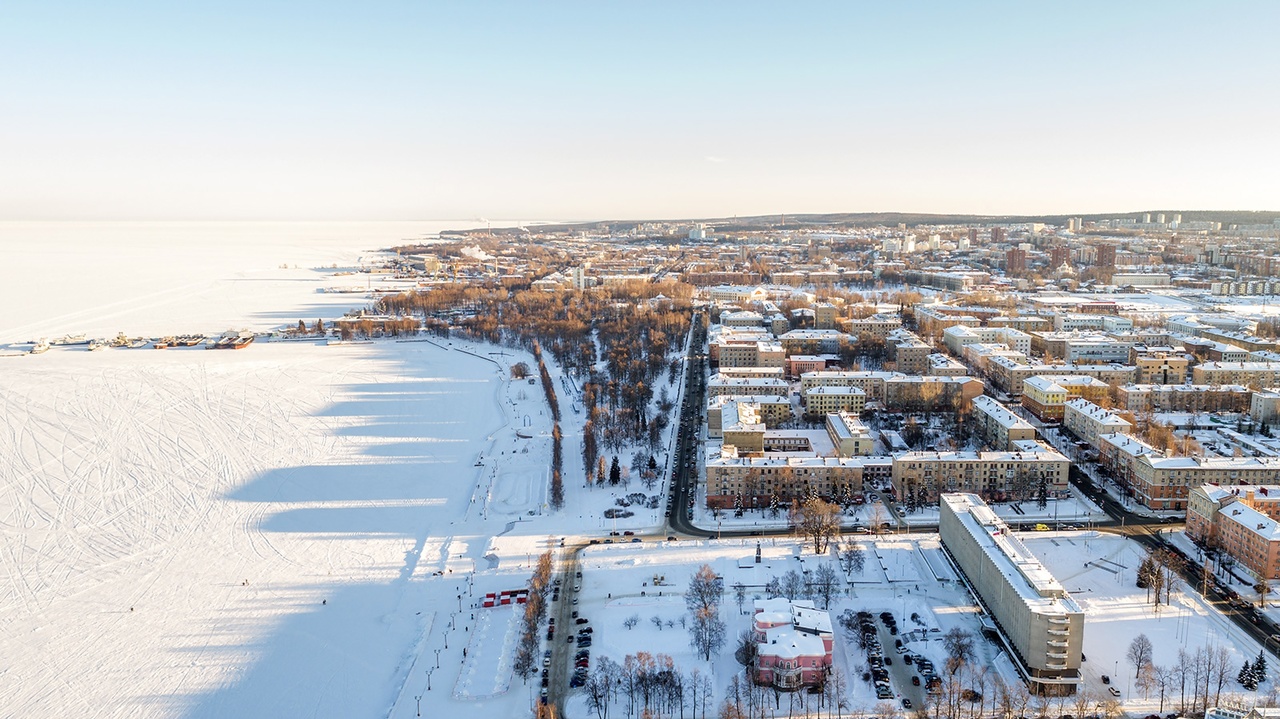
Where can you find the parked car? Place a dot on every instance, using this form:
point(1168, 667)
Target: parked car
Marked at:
point(1114, 692)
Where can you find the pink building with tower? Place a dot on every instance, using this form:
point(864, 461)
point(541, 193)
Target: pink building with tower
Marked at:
point(793, 643)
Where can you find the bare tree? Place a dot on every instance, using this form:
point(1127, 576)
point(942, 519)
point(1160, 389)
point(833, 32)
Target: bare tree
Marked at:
point(707, 632)
point(852, 557)
point(705, 590)
point(817, 521)
point(1139, 654)
point(959, 644)
point(825, 584)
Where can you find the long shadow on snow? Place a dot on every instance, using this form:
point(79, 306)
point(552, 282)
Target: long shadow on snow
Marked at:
point(343, 657)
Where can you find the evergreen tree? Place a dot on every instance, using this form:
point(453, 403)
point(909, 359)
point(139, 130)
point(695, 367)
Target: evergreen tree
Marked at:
point(1245, 677)
point(615, 471)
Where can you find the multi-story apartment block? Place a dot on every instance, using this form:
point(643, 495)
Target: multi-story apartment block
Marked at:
point(941, 365)
point(849, 435)
point(995, 475)
point(1243, 340)
point(915, 393)
point(999, 427)
point(1079, 347)
point(955, 338)
point(811, 342)
point(824, 316)
point(1069, 321)
point(742, 318)
point(877, 325)
point(1045, 395)
point(722, 386)
point(770, 410)
point(1264, 407)
point(1249, 374)
point(1183, 398)
point(756, 482)
point(1204, 503)
point(820, 401)
point(1158, 365)
point(931, 321)
point(1164, 482)
point(872, 383)
point(799, 364)
point(751, 354)
point(1118, 454)
point(1023, 323)
point(980, 354)
point(1039, 622)
point(1088, 421)
point(910, 353)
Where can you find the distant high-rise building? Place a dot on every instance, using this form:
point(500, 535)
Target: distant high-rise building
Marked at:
point(1106, 255)
point(973, 235)
point(1146, 218)
point(1071, 225)
point(1160, 218)
point(998, 234)
point(1015, 261)
point(1059, 256)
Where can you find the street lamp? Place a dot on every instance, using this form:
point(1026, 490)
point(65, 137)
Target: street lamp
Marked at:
point(419, 699)
point(437, 659)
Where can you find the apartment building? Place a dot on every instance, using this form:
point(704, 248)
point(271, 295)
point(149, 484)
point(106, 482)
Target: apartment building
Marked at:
point(941, 365)
point(751, 354)
point(770, 410)
point(1045, 395)
point(1183, 398)
point(932, 322)
point(998, 476)
point(799, 364)
point(756, 482)
point(877, 325)
point(1023, 323)
point(999, 427)
point(723, 386)
point(820, 401)
point(910, 354)
point(1038, 620)
point(872, 383)
point(1264, 406)
point(811, 342)
point(742, 318)
point(1249, 374)
point(1088, 421)
point(849, 435)
point(1206, 501)
point(914, 393)
point(955, 338)
point(824, 316)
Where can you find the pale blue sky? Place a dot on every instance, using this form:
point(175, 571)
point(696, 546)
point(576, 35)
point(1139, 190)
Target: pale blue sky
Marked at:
point(417, 110)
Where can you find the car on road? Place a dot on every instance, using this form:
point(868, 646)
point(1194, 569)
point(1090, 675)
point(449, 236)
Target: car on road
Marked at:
point(1106, 679)
point(906, 703)
point(1114, 692)
point(1041, 527)
point(915, 680)
point(636, 539)
point(671, 537)
point(581, 620)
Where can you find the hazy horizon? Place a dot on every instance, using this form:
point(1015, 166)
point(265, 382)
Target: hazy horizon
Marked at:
point(328, 112)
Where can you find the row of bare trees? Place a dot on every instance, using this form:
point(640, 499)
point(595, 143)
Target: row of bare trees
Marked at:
point(535, 610)
point(648, 685)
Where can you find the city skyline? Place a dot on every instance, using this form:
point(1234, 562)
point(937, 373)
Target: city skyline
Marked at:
point(579, 112)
